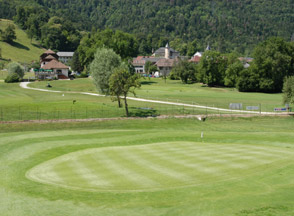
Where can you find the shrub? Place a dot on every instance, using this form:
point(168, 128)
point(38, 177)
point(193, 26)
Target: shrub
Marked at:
point(12, 78)
point(15, 68)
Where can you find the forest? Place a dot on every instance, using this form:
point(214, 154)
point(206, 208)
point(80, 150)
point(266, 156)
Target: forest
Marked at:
point(227, 25)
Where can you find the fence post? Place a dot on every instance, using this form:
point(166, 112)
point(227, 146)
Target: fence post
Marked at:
point(19, 117)
point(1, 114)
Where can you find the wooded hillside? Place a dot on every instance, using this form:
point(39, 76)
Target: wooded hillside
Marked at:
point(228, 25)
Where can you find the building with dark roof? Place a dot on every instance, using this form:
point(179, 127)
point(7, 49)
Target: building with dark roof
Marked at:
point(51, 67)
point(162, 52)
point(164, 58)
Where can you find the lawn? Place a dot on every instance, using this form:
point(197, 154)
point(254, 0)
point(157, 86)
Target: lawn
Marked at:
point(22, 49)
point(148, 167)
point(23, 104)
point(174, 90)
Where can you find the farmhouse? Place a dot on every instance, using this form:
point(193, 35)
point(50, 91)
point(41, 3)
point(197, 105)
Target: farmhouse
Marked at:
point(51, 67)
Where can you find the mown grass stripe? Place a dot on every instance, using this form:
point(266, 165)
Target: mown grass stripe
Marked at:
point(87, 171)
point(123, 175)
point(147, 160)
point(69, 174)
point(145, 180)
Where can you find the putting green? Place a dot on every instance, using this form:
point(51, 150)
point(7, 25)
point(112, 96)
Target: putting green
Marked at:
point(157, 166)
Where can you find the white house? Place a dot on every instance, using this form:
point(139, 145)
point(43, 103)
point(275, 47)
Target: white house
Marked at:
point(65, 57)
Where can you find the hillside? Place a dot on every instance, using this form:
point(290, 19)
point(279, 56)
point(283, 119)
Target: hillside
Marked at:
point(226, 24)
point(21, 50)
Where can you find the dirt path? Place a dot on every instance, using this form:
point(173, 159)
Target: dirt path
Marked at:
point(25, 85)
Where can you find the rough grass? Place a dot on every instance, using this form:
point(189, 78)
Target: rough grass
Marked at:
point(22, 49)
point(242, 167)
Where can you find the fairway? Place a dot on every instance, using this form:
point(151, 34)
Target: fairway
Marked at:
point(150, 167)
point(156, 166)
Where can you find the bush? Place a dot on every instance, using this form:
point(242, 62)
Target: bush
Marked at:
point(84, 74)
point(173, 76)
point(12, 78)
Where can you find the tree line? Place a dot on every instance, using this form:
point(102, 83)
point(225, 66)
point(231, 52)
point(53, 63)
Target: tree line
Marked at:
point(273, 61)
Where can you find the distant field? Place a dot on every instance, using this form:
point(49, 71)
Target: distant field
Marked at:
point(148, 167)
point(22, 49)
point(3, 75)
point(177, 92)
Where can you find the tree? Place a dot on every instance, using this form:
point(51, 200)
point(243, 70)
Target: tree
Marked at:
point(288, 90)
point(122, 82)
point(150, 68)
point(212, 68)
point(185, 70)
point(233, 70)
point(248, 80)
point(75, 63)
point(8, 35)
point(122, 43)
point(15, 72)
point(16, 68)
point(273, 60)
point(102, 67)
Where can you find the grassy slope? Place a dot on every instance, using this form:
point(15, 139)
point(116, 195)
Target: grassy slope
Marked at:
point(176, 91)
point(22, 50)
point(266, 192)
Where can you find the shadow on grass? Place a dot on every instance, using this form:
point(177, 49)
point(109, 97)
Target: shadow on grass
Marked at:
point(142, 112)
point(147, 82)
point(19, 46)
point(36, 45)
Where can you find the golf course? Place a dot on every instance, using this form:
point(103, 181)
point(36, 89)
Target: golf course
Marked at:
point(225, 165)
point(148, 167)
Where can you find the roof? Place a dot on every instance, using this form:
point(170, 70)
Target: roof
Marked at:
point(50, 57)
point(195, 59)
point(141, 60)
point(165, 62)
point(162, 50)
point(65, 54)
point(54, 64)
point(198, 54)
point(49, 51)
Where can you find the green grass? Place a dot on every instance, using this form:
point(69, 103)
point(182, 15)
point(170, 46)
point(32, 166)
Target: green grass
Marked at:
point(23, 104)
point(148, 167)
point(22, 49)
point(177, 92)
point(3, 74)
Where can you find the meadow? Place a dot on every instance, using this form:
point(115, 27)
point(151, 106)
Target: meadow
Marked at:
point(241, 166)
point(22, 50)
